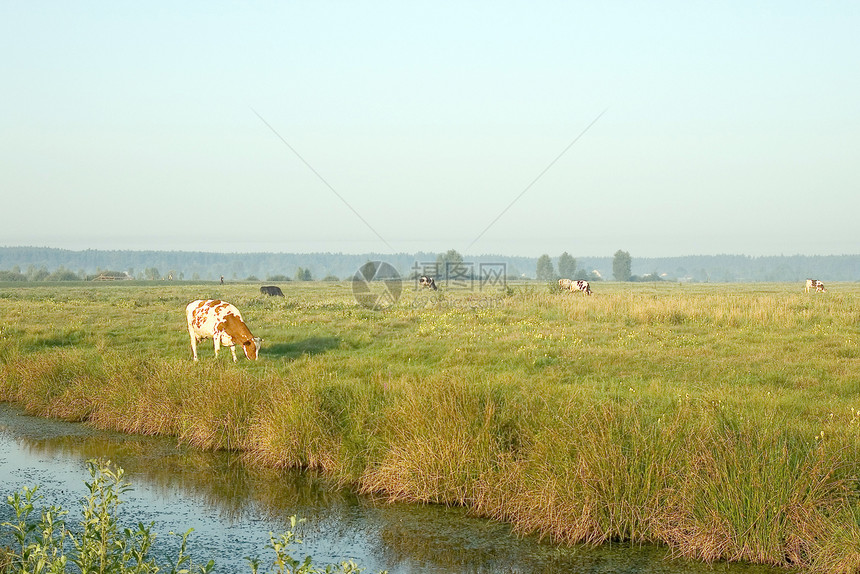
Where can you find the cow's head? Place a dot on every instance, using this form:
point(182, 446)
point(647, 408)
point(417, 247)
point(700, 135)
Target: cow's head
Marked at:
point(252, 348)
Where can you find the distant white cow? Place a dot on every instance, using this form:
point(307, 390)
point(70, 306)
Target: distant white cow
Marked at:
point(221, 322)
point(815, 284)
point(565, 283)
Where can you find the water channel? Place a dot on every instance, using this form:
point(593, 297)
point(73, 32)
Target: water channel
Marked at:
point(232, 510)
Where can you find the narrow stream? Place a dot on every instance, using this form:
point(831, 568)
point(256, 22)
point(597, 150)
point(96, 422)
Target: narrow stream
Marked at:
point(232, 510)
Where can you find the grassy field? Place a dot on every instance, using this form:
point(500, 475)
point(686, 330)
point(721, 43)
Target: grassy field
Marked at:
point(720, 420)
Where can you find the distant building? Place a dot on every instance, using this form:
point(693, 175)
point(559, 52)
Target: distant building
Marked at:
point(113, 276)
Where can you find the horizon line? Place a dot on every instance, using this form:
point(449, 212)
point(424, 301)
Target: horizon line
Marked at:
point(366, 253)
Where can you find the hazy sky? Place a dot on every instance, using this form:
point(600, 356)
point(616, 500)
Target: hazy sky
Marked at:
point(729, 127)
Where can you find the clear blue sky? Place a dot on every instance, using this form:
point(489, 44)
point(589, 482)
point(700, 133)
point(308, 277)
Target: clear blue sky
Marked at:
point(729, 127)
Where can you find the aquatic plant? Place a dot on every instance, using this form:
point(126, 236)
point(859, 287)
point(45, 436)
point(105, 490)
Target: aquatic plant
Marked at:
point(284, 563)
point(100, 544)
point(42, 541)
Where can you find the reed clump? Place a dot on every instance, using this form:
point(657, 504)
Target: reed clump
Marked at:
point(722, 422)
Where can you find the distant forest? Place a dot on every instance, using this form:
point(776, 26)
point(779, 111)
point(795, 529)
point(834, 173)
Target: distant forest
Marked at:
point(42, 263)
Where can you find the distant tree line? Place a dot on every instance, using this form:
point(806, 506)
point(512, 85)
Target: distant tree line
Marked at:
point(41, 274)
point(701, 268)
point(48, 264)
point(197, 266)
point(567, 269)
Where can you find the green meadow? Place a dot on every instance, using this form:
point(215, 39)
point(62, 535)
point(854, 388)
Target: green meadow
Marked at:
point(722, 421)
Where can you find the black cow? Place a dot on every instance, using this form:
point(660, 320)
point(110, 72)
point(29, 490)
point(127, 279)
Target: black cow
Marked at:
point(426, 281)
point(271, 291)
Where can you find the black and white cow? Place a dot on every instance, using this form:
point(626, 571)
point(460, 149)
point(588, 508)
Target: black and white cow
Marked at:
point(580, 285)
point(426, 281)
point(271, 291)
point(815, 284)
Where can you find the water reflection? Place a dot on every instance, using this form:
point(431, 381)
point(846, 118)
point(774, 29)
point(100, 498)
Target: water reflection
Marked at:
point(233, 508)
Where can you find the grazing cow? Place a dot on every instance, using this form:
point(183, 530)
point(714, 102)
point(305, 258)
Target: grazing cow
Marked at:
point(565, 283)
point(221, 322)
point(426, 281)
point(580, 285)
point(815, 284)
point(271, 291)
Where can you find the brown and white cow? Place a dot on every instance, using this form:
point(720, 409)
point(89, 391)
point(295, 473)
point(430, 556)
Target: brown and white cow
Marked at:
point(221, 322)
point(815, 284)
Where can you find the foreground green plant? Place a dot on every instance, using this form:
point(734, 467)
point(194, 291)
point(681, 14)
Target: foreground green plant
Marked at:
point(42, 543)
point(284, 563)
point(100, 546)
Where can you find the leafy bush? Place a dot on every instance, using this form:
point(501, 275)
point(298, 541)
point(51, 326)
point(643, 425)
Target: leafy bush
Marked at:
point(63, 275)
point(12, 276)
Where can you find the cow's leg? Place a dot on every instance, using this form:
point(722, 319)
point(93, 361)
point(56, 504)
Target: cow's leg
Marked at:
point(217, 341)
point(233, 350)
point(193, 343)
